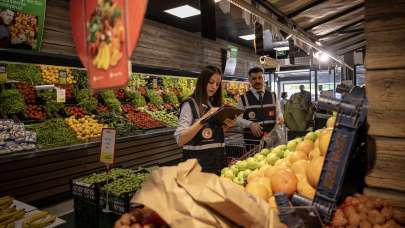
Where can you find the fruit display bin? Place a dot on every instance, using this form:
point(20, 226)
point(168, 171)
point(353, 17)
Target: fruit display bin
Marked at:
point(117, 204)
point(86, 192)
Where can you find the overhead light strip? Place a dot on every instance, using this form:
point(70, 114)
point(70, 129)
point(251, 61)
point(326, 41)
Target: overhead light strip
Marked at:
point(250, 9)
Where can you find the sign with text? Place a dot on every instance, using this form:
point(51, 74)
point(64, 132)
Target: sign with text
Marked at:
point(105, 33)
point(108, 137)
point(22, 24)
point(60, 95)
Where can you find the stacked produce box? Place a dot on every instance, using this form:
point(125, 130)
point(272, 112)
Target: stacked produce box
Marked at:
point(91, 193)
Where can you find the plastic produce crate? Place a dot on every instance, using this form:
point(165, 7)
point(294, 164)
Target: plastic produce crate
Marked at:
point(86, 213)
point(117, 204)
point(86, 192)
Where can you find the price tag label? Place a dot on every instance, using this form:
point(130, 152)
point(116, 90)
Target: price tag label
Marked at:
point(60, 95)
point(63, 77)
point(155, 83)
point(3, 73)
point(108, 137)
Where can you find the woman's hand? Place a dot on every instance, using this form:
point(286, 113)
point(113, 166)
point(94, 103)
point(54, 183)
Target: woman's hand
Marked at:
point(210, 112)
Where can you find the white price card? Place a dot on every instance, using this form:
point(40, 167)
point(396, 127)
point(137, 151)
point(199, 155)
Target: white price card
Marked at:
point(108, 137)
point(60, 95)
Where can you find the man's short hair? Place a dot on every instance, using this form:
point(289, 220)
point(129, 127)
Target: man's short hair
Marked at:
point(255, 70)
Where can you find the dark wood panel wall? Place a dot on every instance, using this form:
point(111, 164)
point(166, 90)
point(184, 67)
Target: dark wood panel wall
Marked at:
point(385, 82)
point(34, 176)
point(159, 45)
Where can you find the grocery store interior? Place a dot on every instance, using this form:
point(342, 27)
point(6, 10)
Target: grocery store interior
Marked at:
point(93, 94)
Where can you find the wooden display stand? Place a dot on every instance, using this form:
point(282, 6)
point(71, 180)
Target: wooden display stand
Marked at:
point(385, 82)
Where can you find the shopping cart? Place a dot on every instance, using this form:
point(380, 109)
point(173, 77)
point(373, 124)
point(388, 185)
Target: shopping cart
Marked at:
point(237, 148)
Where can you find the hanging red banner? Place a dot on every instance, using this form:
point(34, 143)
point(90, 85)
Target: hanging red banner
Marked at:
point(105, 33)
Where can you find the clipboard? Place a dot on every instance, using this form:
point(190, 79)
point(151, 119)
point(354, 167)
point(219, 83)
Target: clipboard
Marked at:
point(221, 114)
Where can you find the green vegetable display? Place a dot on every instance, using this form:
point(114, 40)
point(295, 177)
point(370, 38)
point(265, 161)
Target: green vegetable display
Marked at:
point(126, 185)
point(117, 121)
point(24, 72)
point(12, 102)
point(53, 133)
point(81, 78)
point(168, 118)
point(52, 107)
point(154, 98)
point(113, 174)
point(86, 100)
point(171, 98)
point(137, 99)
point(111, 101)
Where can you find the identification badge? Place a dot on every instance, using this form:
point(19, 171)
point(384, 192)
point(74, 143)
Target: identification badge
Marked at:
point(207, 133)
point(252, 115)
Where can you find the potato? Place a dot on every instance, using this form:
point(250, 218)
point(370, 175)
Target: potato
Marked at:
point(375, 217)
point(391, 224)
point(354, 219)
point(365, 224)
point(339, 218)
point(399, 216)
point(136, 225)
point(126, 219)
point(361, 208)
point(387, 213)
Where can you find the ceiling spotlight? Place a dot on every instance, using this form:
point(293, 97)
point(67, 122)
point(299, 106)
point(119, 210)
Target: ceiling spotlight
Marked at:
point(324, 57)
point(248, 37)
point(288, 37)
point(318, 43)
point(183, 11)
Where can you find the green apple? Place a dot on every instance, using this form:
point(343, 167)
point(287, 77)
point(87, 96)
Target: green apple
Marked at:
point(272, 158)
point(259, 157)
point(300, 139)
point(318, 132)
point(279, 150)
point(292, 144)
point(310, 136)
point(262, 163)
point(265, 151)
point(252, 163)
point(234, 169)
point(228, 173)
point(239, 180)
point(241, 165)
point(286, 153)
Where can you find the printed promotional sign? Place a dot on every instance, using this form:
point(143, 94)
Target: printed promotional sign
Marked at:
point(22, 24)
point(105, 33)
point(108, 145)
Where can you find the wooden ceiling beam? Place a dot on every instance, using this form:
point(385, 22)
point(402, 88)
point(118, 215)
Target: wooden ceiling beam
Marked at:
point(352, 48)
point(342, 28)
point(302, 9)
point(334, 16)
point(346, 42)
point(273, 9)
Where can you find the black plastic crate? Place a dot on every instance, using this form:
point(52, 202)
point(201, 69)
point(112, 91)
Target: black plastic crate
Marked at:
point(86, 213)
point(117, 204)
point(86, 192)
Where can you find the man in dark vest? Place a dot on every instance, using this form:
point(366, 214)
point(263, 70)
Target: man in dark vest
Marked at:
point(262, 108)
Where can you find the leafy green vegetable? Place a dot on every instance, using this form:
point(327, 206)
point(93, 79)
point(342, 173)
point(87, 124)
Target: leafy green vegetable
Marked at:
point(117, 121)
point(154, 97)
point(81, 77)
point(53, 133)
point(128, 184)
point(110, 99)
point(137, 99)
point(52, 107)
point(24, 72)
point(86, 100)
point(113, 174)
point(171, 98)
point(12, 102)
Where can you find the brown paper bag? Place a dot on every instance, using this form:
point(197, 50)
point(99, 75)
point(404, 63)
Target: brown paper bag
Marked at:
point(185, 197)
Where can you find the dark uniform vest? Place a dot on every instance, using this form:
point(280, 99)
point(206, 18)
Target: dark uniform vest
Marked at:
point(207, 146)
point(262, 112)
